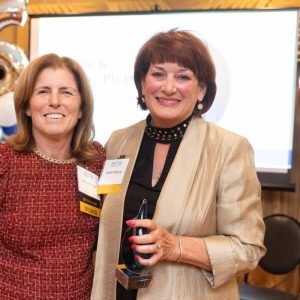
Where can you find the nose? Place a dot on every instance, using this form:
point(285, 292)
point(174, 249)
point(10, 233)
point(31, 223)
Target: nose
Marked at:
point(169, 86)
point(54, 99)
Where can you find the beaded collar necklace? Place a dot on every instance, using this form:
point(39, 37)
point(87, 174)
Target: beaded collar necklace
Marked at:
point(166, 135)
point(53, 160)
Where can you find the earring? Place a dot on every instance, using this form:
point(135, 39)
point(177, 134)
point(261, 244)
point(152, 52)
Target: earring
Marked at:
point(143, 99)
point(199, 105)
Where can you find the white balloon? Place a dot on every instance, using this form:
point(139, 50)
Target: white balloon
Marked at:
point(7, 110)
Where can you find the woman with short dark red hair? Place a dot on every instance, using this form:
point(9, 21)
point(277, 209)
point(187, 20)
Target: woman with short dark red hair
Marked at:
point(204, 221)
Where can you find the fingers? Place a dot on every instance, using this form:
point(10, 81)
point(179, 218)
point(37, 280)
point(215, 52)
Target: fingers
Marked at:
point(148, 238)
point(149, 261)
point(146, 223)
point(158, 242)
point(154, 231)
point(147, 248)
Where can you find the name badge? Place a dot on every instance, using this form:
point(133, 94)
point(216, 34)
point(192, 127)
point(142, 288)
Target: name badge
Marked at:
point(112, 176)
point(90, 201)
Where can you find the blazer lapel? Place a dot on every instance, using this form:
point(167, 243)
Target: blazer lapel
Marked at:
point(111, 220)
point(175, 193)
point(115, 202)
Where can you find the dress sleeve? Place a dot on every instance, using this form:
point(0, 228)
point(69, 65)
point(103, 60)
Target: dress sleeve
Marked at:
point(238, 246)
point(4, 165)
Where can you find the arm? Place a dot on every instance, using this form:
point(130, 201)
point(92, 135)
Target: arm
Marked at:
point(188, 255)
point(4, 162)
point(166, 246)
point(240, 226)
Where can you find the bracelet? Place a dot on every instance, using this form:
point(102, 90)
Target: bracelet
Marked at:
point(180, 249)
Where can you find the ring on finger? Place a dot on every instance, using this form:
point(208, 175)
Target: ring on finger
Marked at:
point(157, 247)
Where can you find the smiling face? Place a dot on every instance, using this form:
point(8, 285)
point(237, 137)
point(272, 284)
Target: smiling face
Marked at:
point(170, 93)
point(54, 106)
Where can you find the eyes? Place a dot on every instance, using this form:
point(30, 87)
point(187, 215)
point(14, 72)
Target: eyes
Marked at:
point(66, 92)
point(161, 75)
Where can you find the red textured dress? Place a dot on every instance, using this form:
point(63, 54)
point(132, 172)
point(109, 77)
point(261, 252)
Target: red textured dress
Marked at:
point(45, 241)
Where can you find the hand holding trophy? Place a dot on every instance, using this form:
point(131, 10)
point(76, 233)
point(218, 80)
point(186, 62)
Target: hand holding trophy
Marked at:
point(133, 275)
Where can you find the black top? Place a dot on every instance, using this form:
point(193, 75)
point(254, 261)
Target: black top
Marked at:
point(140, 187)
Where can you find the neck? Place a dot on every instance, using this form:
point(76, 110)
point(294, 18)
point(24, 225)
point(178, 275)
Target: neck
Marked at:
point(166, 135)
point(59, 150)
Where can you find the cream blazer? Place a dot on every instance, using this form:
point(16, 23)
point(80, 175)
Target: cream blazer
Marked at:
point(211, 192)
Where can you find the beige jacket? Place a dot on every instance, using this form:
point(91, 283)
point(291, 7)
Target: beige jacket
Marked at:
point(211, 192)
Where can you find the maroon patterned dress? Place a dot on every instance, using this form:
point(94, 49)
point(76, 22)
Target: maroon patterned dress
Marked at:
point(45, 241)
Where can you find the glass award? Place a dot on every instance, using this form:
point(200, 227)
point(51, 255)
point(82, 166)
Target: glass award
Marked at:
point(131, 274)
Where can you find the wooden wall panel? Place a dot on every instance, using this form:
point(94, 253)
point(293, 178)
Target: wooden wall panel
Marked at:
point(17, 35)
point(50, 6)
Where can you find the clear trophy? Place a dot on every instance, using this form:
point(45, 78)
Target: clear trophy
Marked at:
point(131, 274)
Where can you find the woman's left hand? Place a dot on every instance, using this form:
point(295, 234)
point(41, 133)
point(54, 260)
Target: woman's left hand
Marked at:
point(158, 241)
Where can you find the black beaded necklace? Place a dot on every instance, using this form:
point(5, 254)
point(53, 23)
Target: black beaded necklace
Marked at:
point(166, 135)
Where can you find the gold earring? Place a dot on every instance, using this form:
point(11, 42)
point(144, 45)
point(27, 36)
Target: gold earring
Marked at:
point(199, 105)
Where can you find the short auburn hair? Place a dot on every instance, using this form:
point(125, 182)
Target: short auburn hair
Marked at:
point(183, 48)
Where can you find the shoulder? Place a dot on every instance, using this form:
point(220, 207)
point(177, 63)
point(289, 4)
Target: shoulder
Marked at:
point(96, 164)
point(224, 137)
point(123, 134)
point(224, 144)
point(101, 155)
point(129, 130)
point(99, 148)
point(6, 150)
point(6, 154)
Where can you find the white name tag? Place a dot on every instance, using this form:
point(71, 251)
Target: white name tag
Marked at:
point(112, 176)
point(87, 185)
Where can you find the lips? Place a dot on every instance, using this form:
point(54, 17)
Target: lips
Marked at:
point(167, 100)
point(54, 116)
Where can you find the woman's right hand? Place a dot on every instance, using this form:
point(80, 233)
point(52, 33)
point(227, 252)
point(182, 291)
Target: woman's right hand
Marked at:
point(162, 244)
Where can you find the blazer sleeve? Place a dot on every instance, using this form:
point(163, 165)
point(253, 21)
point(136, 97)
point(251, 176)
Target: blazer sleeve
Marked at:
point(238, 245)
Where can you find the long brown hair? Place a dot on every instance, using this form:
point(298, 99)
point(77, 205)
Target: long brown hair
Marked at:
point(81, 144)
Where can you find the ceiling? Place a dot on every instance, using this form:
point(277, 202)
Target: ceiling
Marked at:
point(89, 6)
point(62, 7)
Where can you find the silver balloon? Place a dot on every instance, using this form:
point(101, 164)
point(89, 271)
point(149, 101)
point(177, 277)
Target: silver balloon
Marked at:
point(7, 112)
point(12, 62)
point(13, 12)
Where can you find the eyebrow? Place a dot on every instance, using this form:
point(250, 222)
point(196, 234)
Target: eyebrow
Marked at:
point(180, 70)
point(60, 88)
point(41, 87)
point(68, 87)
